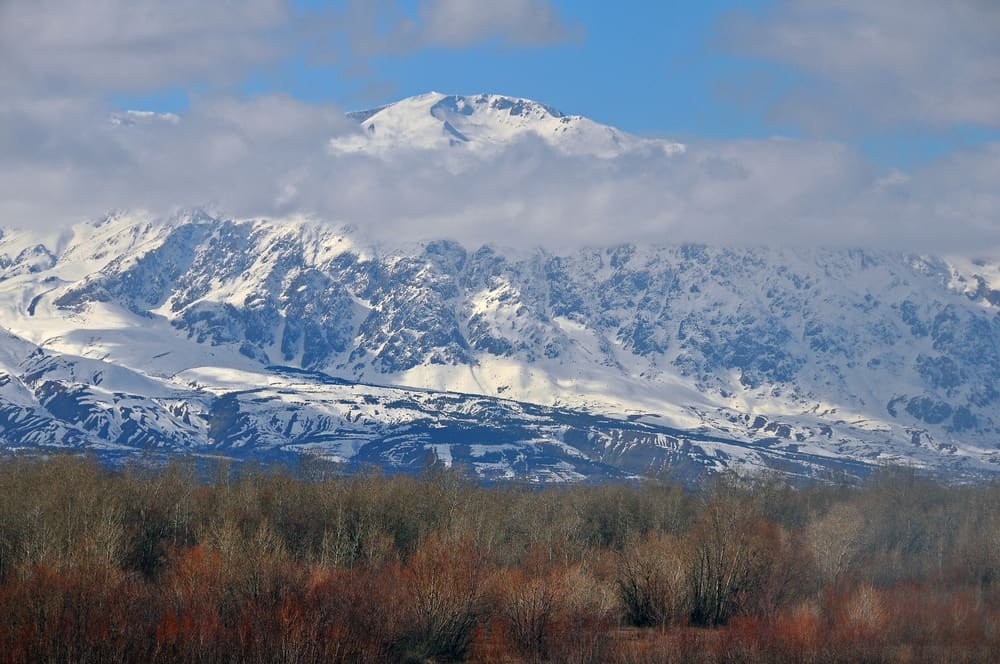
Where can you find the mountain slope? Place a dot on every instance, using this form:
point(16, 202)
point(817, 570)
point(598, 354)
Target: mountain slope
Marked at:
point(482, 123)
point(282, 413)
point(874, 357)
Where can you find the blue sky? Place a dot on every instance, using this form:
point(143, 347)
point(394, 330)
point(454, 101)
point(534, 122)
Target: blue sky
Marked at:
point(642, 66)
point(645, 67)
point(656, 68)
point(845, 122)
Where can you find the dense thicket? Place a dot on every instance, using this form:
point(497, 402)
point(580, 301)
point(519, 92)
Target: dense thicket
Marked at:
point(141, 566)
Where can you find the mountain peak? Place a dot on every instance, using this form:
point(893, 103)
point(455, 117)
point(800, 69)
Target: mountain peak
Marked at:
point(485, 123)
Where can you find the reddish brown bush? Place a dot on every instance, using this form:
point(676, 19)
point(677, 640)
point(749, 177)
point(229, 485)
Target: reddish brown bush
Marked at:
point(98, 566)
point(652, 581)
point(442, 592)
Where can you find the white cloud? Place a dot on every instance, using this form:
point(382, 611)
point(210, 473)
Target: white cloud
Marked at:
point(61, 46)
point(65, 47)
point(918, 62)
point(465, 22)
point(375, 27)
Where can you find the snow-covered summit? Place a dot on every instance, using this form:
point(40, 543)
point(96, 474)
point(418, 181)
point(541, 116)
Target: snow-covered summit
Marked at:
point(484, 123)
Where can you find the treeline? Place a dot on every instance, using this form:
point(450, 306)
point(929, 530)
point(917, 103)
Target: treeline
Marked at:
point(141, 566)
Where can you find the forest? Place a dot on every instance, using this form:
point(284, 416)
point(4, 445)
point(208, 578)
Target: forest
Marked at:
point(262, 565)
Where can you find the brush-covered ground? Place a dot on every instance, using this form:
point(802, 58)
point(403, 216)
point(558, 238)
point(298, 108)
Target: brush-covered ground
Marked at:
point(164, 566)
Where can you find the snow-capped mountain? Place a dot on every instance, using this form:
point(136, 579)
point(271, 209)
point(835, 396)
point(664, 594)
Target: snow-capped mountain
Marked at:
point(481, 123)
point(270, 338)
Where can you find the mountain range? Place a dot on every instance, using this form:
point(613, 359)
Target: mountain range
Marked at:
point(136, 335)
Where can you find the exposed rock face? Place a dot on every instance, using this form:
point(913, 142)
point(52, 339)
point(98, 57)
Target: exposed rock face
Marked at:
point(854, 356)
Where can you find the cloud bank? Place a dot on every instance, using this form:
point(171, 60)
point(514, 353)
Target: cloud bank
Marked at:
point(381, 26)
point(64, 47)
point(268, 156)
point(59, 48)
point(915, 62)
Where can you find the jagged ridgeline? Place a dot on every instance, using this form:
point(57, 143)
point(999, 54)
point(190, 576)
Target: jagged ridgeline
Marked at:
point(137, 334)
